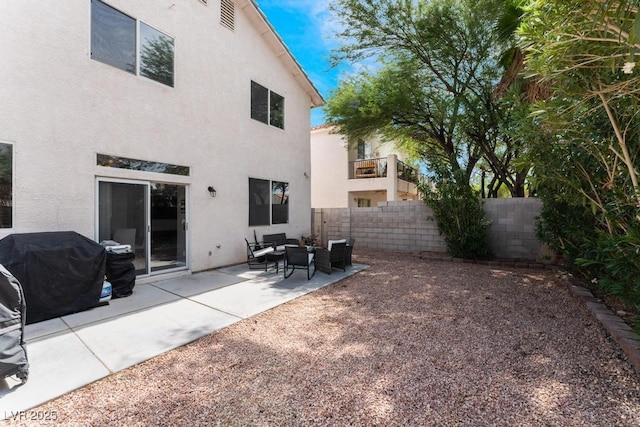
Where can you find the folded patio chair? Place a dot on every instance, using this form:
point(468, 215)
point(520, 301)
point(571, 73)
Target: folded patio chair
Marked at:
point(332, 257)
point(298, 258)
point(256, 255)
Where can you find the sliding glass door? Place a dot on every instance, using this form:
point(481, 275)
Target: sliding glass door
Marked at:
point(149, 216)
point(168, 226)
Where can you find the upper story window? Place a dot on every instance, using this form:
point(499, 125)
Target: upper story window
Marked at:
point(364, 150)
point(267, 106)
point(114, 37)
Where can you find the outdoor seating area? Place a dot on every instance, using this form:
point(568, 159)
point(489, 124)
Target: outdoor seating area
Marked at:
point(276, 248)
point(268, 252)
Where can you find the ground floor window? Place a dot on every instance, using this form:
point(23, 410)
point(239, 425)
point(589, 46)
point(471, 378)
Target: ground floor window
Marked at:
point(364, 203)
point(268, 202)
point(141, 165)
point(6, 185)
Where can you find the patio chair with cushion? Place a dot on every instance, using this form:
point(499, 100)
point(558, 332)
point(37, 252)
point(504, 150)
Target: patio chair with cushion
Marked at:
point(256, 255)
point(331, 257)
point(298, 258)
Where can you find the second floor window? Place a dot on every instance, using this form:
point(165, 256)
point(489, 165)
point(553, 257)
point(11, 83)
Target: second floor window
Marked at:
point(267, 106)
point(114, 37)
point(364, 150)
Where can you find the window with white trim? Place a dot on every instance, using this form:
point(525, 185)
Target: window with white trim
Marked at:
point(267, 106)
point(268, 202)
point(123, 42)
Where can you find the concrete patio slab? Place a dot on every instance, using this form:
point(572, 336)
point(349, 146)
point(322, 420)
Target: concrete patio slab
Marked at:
point(133, 338)
point(57, 365)
point(266, 291)
point(146, 296)
point(44, 328)
point(187, 286)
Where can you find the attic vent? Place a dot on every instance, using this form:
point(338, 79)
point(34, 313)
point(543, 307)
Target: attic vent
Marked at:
point(227, 14)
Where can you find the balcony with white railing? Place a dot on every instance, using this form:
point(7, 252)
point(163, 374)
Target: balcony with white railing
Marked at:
point(389, 174)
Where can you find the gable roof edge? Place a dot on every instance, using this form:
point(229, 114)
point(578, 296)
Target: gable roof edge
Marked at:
point(258, 18)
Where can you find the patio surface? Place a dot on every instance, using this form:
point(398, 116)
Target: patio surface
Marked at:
point(72, 351)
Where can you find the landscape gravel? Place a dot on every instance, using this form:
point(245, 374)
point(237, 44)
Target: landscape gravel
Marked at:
point(406, 342)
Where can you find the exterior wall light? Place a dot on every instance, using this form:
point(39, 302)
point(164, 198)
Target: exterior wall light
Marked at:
point(212, 191)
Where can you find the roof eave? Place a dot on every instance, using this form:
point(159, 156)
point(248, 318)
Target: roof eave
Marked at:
point(258, 18)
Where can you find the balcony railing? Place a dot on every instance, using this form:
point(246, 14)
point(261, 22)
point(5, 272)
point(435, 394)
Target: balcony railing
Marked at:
point(377, 168)
point(407, 173)
point(368, 168)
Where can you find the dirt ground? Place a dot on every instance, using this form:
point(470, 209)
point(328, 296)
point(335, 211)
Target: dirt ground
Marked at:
point(406, 342)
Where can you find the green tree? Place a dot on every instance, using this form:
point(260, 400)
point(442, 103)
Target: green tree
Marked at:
point(458, 212)
point(586, 166)
point(586, 50)
point(437, 68)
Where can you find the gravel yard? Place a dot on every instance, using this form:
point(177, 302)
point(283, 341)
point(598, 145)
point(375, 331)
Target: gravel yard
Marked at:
point(405, 342)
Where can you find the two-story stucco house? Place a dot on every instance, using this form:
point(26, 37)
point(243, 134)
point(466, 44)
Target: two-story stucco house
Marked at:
point(360, 174)
point(178, 127)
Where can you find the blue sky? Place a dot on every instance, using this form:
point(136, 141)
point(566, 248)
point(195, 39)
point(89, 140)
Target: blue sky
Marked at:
point(306, 28)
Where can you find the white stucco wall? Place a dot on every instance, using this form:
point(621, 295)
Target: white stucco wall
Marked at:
point(329, 169)
point(330, 163)
point(60, 107)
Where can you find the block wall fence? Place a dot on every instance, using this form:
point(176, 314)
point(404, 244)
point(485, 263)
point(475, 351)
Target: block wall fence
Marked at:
point(404, 226)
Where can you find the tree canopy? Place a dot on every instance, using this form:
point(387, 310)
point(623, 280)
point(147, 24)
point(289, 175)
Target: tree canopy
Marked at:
point(586, 162)
point(430, 88)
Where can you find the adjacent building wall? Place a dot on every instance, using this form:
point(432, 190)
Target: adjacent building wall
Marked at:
point(329, 169)
point(331, 160)
point(404, 226)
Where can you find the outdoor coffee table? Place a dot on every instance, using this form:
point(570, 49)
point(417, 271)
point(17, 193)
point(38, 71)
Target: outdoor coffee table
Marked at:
point(275, 257)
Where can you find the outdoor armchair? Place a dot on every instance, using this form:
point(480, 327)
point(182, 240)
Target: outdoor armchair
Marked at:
point(332, 257)
point(256, 255)
point(298, 258)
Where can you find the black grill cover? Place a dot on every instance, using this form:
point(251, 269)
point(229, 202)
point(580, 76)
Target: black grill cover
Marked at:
point(60, 272)
point(121, 273)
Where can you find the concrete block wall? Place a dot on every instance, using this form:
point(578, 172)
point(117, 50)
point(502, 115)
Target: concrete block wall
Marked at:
point(393, 226)
point(404, 226)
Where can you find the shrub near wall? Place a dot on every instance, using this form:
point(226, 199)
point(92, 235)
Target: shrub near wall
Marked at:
point(403, 226)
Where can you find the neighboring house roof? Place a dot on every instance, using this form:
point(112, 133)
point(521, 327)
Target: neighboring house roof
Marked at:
point(274, 41)
point(323, 126)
